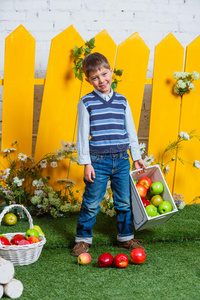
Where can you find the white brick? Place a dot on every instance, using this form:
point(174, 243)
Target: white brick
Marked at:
point(21, 5)
point(66, 5)
point(13, 16)
point(6, 5)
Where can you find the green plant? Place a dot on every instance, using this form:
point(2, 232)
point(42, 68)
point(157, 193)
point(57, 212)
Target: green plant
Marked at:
point(80, 53)
point(23, 183)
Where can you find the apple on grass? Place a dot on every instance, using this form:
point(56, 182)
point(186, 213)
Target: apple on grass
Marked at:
point(156, 200)
point(142, 191)
point(137, 256)
point(4, 240)
point(10, 219)
point(156, 188)
point(121, 260)
point(84, 258)
point(105, 260)
point(146, 181)
point(151, 210)
point(164, 207)
point(33, 239)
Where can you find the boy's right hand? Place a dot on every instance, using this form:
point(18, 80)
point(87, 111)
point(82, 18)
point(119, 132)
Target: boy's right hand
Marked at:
point(89, 173)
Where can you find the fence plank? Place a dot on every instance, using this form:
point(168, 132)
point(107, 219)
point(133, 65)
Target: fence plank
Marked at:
point(133, 57)
point(105, 45)
point(187, 177)
point(59, 106)
point(165, 106)
point(18, 92)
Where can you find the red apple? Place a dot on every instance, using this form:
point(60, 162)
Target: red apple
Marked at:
point(145, 202)
point(137, 256)
point(19, 235)
point(33, 239)
point(24, 242)
point(142, 191)
point(4, 241)
point(84, 258)
point(121, 260)
point(146, 181)
point(16, 239)
point(105, 260)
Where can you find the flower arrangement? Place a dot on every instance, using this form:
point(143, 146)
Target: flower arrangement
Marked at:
point(184, 82)
point(23, 183)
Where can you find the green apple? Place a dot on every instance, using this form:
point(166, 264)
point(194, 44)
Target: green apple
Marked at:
point(156, 200)
point(32, 232)
point(151, 210)
point(164, 207)
point(156, 188)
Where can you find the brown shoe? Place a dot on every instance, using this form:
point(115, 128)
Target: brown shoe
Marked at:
point(79, 248)
point(131, 244)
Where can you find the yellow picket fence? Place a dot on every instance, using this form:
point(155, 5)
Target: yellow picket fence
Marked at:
point(62, 92)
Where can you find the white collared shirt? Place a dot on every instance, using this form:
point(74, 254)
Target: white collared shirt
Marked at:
point(83, 131)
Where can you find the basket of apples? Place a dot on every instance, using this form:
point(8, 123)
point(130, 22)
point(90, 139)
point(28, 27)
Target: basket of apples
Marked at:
point(22, 248)
point(152, 202)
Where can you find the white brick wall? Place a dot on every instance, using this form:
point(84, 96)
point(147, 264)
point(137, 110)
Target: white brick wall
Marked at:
point(152, 19)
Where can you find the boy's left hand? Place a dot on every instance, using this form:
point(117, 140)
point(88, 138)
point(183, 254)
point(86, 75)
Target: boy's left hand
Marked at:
point(139, 164)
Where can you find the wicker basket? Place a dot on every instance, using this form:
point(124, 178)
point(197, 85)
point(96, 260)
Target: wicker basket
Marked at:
point(21, 255)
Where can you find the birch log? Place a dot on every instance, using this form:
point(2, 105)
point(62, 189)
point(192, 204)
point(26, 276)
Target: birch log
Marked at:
point(7, 271)
point(1, 291)
point(13, 289)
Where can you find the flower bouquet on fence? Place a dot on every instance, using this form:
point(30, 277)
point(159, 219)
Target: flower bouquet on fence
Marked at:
point(22, 182)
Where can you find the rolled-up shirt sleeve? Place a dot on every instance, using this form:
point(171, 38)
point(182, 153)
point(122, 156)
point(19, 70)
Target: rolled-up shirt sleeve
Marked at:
point(130, 127)
point(83, 134)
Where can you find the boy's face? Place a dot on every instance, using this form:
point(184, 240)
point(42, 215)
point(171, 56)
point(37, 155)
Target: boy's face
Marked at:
point(101, 80)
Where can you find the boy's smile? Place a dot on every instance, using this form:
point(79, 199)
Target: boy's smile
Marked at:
point(101, 80)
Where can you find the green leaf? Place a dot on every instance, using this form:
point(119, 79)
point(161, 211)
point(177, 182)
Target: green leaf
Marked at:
point(113, 86)
point(90, 43)
point(118, 72)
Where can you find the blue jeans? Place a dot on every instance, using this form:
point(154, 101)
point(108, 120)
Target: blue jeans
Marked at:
point(116, 167)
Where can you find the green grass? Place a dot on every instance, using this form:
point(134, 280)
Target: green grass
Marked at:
point(171, 269)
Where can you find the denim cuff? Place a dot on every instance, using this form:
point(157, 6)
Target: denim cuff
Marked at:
point(125, 238)
point(87, 240)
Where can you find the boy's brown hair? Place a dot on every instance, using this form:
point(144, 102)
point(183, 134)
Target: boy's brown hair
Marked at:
point(94, 61)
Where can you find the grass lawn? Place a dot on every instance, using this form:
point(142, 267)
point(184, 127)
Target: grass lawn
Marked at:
point(171, 269)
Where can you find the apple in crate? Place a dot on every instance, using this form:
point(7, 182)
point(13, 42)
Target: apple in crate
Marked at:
point(4, 240)
point(137, 256)
point(164, 207)
point(146, 181)
point(84, 258)
point(33, 239)
point(16, 239)
point(105, 260)
point(121, 260)
point(151, 210)
point(156, 188)
point(145, 202)
point(156, 200)
point(142, 191)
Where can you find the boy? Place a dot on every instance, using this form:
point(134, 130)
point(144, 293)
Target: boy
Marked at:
point(105, 116)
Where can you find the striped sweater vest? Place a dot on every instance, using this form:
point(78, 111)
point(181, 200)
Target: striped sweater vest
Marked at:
point(107, 123)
